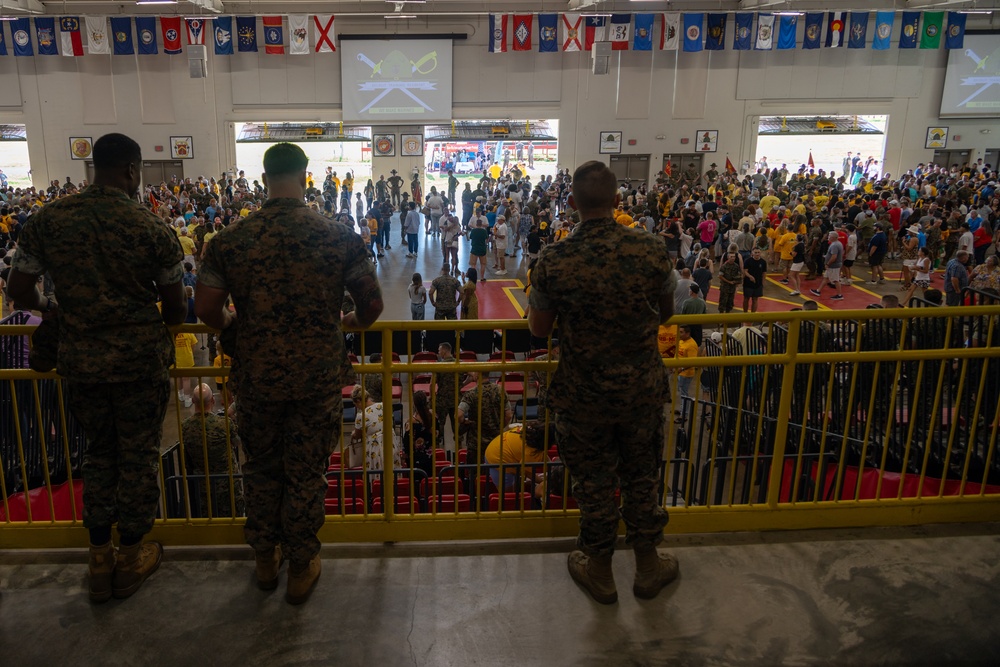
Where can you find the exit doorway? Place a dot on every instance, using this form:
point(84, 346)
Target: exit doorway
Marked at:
point(631, 168)
point(947, 158)
point(154, 172)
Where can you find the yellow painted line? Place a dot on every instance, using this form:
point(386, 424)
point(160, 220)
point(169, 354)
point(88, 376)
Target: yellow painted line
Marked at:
point(865, 290)
point(509, 291)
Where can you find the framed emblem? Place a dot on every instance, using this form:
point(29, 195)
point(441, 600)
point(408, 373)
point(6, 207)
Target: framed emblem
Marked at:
point(80, 148)
point(937, 137)
point(706, 141)
point(181, 148)
point(611, 143)
point(411, 145)
point(384, 145)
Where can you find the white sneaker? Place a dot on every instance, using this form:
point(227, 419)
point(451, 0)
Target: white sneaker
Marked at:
point(188, 402)
point(500, 273)
point(873, 282)
point(793, 294)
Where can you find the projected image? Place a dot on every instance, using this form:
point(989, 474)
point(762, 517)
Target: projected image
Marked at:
point(972, 80)
point(399, 80)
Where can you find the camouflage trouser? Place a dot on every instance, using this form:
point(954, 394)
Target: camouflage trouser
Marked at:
point(288, 445)
point(123, 422)
point(727, 297)
point(600, 456)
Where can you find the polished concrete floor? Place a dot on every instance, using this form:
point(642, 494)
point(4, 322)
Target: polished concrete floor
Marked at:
point(906, 596)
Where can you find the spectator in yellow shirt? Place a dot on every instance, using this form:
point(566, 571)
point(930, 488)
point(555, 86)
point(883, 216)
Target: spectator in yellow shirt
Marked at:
point(518, 445)
point(687, 348)
point(184, 358)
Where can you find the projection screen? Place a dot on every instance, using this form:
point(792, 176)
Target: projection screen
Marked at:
point(972, 80)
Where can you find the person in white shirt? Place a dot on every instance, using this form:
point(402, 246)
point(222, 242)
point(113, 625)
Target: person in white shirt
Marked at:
point(500, 234)
point(436, 206)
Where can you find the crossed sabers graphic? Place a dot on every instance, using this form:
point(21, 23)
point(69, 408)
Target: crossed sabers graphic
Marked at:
point(986, 81)
point(403, 86)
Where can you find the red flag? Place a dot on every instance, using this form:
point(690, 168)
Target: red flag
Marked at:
point(170, 26)
point(812, 165)
point(668, 168)
point(522, 32)
point(730, 169)
point(324, 33)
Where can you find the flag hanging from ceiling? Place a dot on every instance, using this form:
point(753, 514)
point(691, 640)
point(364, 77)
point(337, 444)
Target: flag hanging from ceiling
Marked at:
point(121, 35)
point(814, 27)
point(955, 35)
point(45, 33)
point(3, 43)
point(670, 29)
point(274, 35)
point(195, 31)
point(692, 31)
point(910, 24)
point(298, 34)
point(620, 28)
point(170, 26)
point(596, 30)
point(548, 33)
point(642, 39)
point(715, 34)
point(835, 30)
point(145, 33)
point(97, 35)
point(858, 37)
point(498, 33)
point(744, 31)
point(571, 26)
point(765, 32)
point(222, 35)
point(246, 34)
point(930, 36)
point(522, 32)
point(324, 33)
point(786, 32)
point(883, 30)
point(20, 33)
point(70, 37)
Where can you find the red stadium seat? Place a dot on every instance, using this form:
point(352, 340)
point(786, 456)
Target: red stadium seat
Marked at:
point(351, 506)
point(424, 357)
point(511, 501)
point(353, 488)
point(449, 503)
point(555, 502)
point(404, 505)
point(38, 499)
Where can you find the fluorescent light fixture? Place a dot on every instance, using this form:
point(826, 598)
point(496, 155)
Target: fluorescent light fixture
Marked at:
point(596, 16)
point(406, 2)
point(789, 13)
point(400, 16)
point(975, 11)
point(156, 2)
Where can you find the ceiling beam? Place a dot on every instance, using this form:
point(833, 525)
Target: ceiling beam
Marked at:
point(22, 6)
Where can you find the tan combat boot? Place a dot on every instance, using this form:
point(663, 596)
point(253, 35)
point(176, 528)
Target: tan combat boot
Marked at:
point(102, 567)
point(135, 564)
point(653, 571)
point(268, 563)
point(301, 580)
point(595, 575)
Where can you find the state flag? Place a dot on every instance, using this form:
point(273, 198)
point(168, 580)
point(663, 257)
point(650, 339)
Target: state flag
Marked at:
point(883, 30)
point(620, 29)
point(97, 35)
point(910, 24)
point(692, 31)
point(744, 31)
point(324, 33)
point(246, 34)
point(298, 34)
point(858, 37)
point(642, 39)
point(222, 35)
point(195, 30)
point(548, 33)
point(930, 36)
point(45, 33)
point(170, 27)
point(20, 33)
point(835, 30)
point(498, 33)
point(670, 30)
point(765, 32)
point(716, 35)
point(571, 25)
point(145, 33)
point(595, 30)
point(955, 35)
point(786, 32)
point(274, 35)
point(3, 43)
point(814, 28)
point(121, 35)
point(522, 32)
point(71, 40)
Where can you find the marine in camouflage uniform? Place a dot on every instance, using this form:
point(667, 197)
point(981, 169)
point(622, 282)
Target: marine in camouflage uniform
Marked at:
point(444, 291)
point(286, 268)
point(730, 271)
point(213, 436)
point(483, 412)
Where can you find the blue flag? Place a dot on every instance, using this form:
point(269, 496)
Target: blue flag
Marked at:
point(692, 31)
point(716, 35)
point(910, 30)
point(222, 35)
point(121, 35)
point(814, 28)
point(20, 33)
point(246, 33)
point(857, 37)
point(548, 33)
point(145, 32)
point(45, 32)
point(743, 32)
point(883, 30)
point(3, 42)
point(786, 32)
point(954, 37)
point(642, 40)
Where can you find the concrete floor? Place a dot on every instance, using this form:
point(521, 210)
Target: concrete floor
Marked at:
point(906, 596)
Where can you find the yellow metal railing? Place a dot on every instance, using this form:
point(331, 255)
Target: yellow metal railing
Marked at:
point(807, 419)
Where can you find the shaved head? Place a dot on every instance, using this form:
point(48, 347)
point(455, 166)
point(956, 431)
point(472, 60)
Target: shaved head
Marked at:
point(203, 398)
point(594, 187)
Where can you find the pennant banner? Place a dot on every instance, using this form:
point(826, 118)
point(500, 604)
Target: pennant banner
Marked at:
point(222, 35)
point(498, 33)
point(70, 37)
point(97, 35)
point(170, 27)
point(955, 36)
point(692, 31)
point(324, 33)
point(620, 29)
point(642, 39)
point(883, 30)
point(571, 25)
point(298, 34)
point(45, 34)
point(743, 34)
point(274, 35)
point(716, 34)
point(858, 37)
point(910, 30)
point(765, 32)
point(246, 34)
point(930, 36)
point(121, 36)
point(522, 32)
point(670, 25)
point(195, 31)
point(786, 32)
point(548, 33)
point(814, 27)
point(835, 30)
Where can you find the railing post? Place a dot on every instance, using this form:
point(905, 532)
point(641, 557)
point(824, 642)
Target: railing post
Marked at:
point(784, 412)
point(388, 434)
